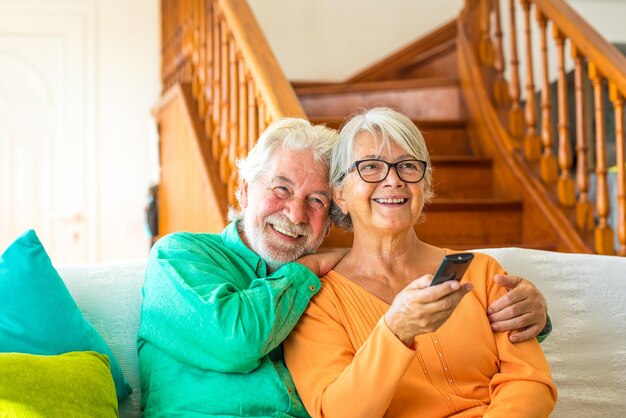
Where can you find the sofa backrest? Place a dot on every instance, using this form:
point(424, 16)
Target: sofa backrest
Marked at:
point(109, 296)
point(586, 297)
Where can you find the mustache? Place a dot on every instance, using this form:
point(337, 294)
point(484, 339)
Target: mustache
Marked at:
point(282, 222)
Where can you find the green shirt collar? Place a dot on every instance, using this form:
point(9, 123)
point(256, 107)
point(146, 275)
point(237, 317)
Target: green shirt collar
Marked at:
point(232, 240)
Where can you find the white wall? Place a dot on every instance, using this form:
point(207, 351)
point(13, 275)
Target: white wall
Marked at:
point(332, 40)
point(606, 16)
point(329, 40)
point(130, 85)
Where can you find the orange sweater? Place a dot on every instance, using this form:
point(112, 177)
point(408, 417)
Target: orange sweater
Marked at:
point(346, 362)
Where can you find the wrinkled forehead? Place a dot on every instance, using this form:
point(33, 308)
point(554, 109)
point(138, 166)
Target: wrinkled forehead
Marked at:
point(296, 168)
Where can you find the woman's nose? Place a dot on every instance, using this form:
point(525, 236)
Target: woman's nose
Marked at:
point(393, 178)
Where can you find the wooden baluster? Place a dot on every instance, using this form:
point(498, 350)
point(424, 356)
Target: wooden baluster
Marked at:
point(195, 47)
point(532, 143)
point(187, 42)
point(618, 106)
point(208, 115)
point(217, 81)
point(548, 165)
point(189, 67)
point(243, 109)
point(233, 136)
point(164, 41)
point(500, 86)
point(261, 115)
point(565, 184)
point(584, 209)
point(253, 113)
point(224, 112)
point(516, 114)
point(173, 42)
point(169, 39)
point(177, 45)
point(172, 46)
point(168, 45)
point(603, 231)
point(185, 66)
point(180, 59)
point(202, 57)
point(192, 57)
point(485, 46)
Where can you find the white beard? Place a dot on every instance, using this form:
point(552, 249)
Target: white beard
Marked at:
point(274, 252)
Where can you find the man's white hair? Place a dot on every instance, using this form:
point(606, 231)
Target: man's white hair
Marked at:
point(291, 133)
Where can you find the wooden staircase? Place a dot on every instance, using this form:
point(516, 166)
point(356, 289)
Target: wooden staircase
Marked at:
point(467, 210)
point(501, 175)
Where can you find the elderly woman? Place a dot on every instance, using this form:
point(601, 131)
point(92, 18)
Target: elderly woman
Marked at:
point(377, 340)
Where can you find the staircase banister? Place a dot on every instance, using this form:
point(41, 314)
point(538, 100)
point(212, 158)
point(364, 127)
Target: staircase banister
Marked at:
point(608, 59)
point(279, 97)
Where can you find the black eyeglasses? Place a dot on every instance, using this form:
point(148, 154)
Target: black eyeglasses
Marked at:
point(375, 171)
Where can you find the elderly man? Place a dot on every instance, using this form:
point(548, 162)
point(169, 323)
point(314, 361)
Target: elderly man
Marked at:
point(218, 306)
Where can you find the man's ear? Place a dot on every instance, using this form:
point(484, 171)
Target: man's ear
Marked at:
point(243, 195)
point(339, 200)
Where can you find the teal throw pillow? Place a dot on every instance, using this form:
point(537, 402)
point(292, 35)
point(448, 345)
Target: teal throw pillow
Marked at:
point(37, 312)
point(77, 384)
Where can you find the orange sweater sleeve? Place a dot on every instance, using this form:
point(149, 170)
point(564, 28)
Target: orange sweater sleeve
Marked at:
point(332, 379)
point(523, 387)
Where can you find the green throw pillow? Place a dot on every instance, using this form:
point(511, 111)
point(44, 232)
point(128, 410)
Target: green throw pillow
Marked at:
point(77, 384)
point(37, 312)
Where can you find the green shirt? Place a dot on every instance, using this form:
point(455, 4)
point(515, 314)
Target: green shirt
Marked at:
point(212, 323)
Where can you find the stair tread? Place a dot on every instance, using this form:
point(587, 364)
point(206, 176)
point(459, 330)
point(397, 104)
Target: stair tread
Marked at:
point(420, 123)
point(470, 203)
point(480, 200)
point(376, 86)
point(465, 160)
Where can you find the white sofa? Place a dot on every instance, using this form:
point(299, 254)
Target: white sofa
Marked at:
point(586, 297)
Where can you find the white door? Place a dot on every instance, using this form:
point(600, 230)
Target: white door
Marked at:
point(46, 128)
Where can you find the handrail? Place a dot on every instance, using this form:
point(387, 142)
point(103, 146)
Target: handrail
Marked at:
point(531, 138)
point(279, 97)
point(591, 44)
point(238, 87)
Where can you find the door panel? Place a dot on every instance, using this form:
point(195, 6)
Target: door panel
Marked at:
point(46, 129)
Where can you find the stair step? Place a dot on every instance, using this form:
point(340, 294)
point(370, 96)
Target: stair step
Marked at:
point(462, 176)
point(475, 222)
point(433, 98)
point(370, 86)
point(443, 137)
point(460, 223)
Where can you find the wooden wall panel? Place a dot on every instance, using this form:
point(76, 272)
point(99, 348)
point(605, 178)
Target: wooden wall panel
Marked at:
point(188, 198)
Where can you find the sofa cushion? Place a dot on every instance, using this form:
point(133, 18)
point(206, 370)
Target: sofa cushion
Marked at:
point(71, 384)
point(586, 297)
point(109, 297)
point(38, 314)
